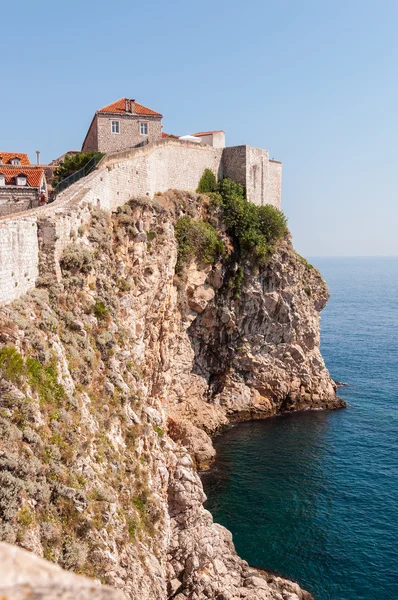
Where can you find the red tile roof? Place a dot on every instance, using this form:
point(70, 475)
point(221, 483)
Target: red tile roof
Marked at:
point(33, 174)
point(207, 133)
point(6, 157)
point(169, 135)
point(119, 107)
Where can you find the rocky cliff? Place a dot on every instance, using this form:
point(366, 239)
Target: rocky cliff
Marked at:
point(112, 381)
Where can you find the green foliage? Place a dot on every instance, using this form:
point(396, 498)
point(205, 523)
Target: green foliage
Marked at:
point(132, 528)
point(73, 163)
point(44, 380)
point(236, 282)
point(255, 228)
point(207, 183)
point(305, 262)
point(123, 284)
point(197, 239)
point(140, 504)
point(308, 291)
point(150, 236)
point(158, 430)
point(100, 309)
point(25, 516)
point(76, 258)
point(11, 364)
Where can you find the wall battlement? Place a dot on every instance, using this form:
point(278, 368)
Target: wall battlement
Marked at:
point(32, 242)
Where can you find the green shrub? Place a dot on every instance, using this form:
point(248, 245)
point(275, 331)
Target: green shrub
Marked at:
point(76, 258)
point(236, 282)
point(158, 430)
point(255, 228)
point(123, 284)
point(207, 183)
point(100, 309)
point(197, 239)
point(73, 163)
point(11, 364)
point(132, 527)
point(44, 380)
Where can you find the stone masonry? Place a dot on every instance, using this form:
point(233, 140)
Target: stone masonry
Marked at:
point(140, 172)
point(122, 125)
point(15, 199)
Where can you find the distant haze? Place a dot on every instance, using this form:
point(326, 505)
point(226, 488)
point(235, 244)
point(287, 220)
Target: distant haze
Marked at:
point(313, 82)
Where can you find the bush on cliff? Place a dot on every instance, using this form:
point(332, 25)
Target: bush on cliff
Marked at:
point(254, 227)
point(197, 239)
point(207, 183)
point(76, 258)
point(72, 163)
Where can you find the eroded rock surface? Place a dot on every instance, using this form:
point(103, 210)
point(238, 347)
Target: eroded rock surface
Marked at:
point(24, 575)
point(112, 382)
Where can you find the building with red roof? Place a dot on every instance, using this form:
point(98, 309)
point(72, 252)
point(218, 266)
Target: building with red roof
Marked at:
point(22, 185)
point(122, 125)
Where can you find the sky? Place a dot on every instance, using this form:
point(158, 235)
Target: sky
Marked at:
point(313, 81)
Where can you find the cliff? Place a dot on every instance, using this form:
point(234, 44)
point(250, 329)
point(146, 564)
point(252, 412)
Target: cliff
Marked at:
point(112, 380)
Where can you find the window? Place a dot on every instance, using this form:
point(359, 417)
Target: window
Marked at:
point(21, 179)
point(115, 127)
point(15, 161)
point(144, 128)
point(2, 180)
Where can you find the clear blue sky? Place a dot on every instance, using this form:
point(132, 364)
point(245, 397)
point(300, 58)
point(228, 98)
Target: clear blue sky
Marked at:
point(313, 81)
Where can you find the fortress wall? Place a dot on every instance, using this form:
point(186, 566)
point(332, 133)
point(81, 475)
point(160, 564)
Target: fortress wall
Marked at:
point(19, 257)
point(257, 163)
point(136, 173)
point(234, 163)
point(140, 172)
point(274, 183)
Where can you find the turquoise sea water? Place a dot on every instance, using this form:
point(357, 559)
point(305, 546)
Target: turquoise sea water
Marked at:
point(314, 495)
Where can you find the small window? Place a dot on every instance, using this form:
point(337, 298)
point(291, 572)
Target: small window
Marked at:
point(115, 127)
point(2, 180)
point(144, 128)
point(21, 180)
point(15, 161)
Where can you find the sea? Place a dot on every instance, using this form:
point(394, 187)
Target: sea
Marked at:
point(313, 496)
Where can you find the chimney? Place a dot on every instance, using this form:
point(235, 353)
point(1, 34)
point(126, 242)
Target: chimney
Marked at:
point(38, 156)
point(127, 102)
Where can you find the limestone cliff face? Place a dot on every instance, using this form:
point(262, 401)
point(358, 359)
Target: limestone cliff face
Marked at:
point(111, 382)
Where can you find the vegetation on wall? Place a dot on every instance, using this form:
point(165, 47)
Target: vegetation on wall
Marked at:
point(197, 239)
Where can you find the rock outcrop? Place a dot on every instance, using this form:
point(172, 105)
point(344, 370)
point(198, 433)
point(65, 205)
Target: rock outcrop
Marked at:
point(24, 575)
point(111, 383)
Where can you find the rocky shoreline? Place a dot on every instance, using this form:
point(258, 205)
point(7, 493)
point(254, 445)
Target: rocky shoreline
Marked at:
point(113, 381)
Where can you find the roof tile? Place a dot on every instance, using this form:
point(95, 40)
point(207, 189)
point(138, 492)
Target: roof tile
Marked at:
point(119, 107)
point(33, 174)
point(6, 157)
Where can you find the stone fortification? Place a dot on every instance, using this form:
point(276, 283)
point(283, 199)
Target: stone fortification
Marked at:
point(141, 172)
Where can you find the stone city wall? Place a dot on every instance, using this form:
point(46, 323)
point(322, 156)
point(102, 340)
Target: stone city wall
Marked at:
point(15, 199)
point(140, 172)
point(19, 257)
